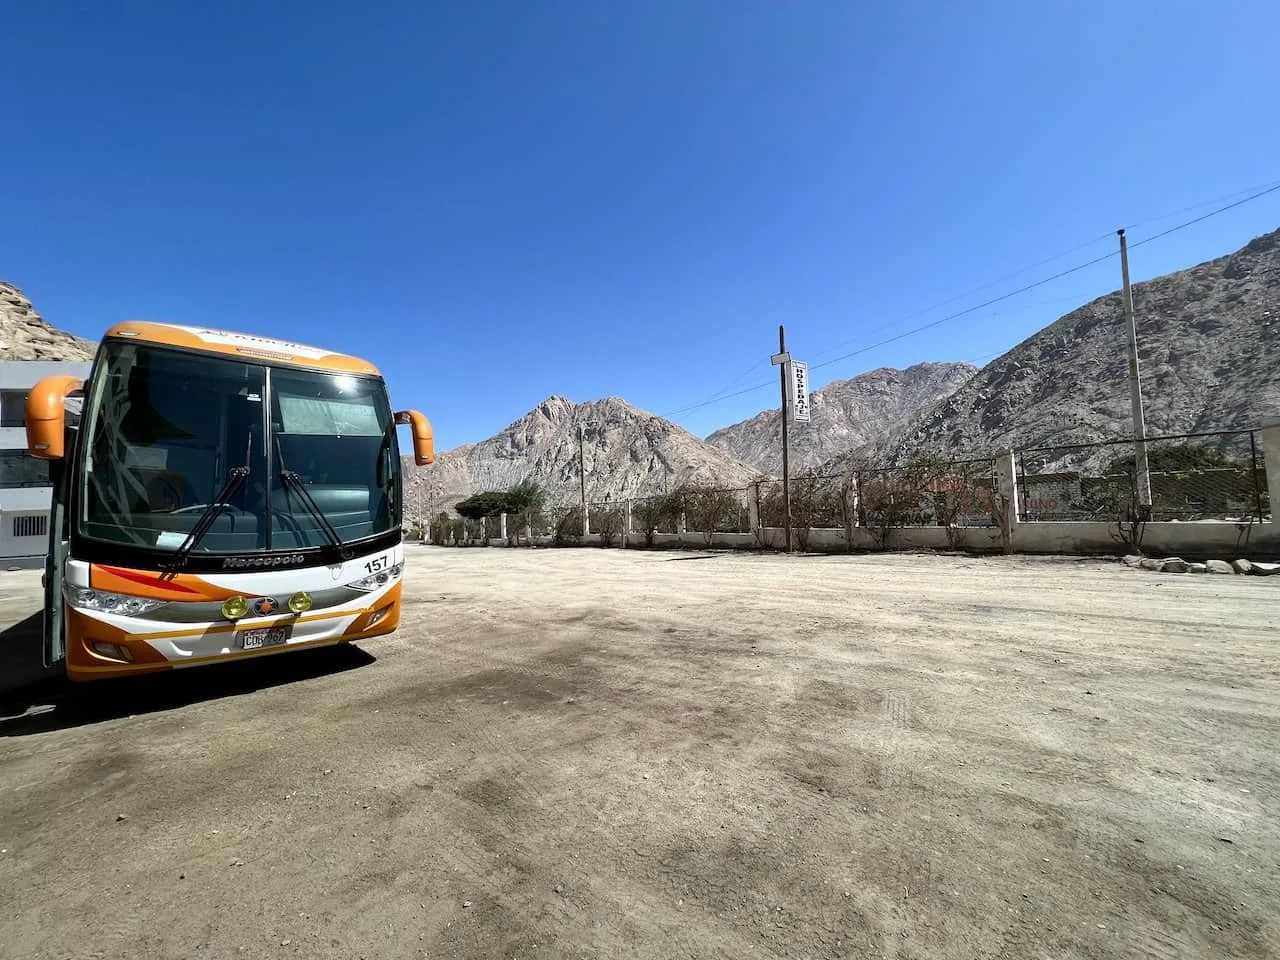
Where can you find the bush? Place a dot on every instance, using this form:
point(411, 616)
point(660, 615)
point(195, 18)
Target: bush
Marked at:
point(815, 503)
point(568, 529)
point(709, 510)
point(608, 523)
point(648, 513)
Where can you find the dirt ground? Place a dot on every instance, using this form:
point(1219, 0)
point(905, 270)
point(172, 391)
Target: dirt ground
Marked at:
point(590, 753)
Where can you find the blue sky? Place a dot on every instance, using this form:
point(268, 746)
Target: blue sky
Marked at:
point(504, 200)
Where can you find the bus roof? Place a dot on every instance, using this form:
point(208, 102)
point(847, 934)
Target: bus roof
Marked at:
point(244, 345)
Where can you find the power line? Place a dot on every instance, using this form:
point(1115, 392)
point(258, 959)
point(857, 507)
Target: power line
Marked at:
point(968, 310)
point(986, 286)
point(1268, 189)
point(1201, 205)
point(1213, 213)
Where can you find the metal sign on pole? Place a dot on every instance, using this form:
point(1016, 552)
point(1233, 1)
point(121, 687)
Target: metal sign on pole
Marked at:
point(799, 378)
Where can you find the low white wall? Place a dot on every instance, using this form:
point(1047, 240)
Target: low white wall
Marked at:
point(1201, 540)
point(1208, 539)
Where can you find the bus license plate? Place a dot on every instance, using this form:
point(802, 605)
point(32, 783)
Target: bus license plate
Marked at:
point(265, 637)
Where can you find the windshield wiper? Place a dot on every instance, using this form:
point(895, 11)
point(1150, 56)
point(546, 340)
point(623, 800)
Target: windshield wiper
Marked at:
point(235, 479)
point(292, 479)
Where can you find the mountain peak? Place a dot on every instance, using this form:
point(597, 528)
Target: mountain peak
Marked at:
point(628, 452)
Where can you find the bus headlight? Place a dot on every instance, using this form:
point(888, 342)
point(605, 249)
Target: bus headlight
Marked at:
point(378, 580)
point(233, 608)
point(82, 598)
point(300, 602)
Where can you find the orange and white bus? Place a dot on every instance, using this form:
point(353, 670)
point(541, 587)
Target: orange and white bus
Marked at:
point(216, 496)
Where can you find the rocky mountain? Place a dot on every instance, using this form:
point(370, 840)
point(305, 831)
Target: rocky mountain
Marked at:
point(860, 415)
point(1209, 351)
point(627, 453)
point(25, 335)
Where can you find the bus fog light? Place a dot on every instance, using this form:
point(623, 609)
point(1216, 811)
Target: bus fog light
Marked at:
point(300, 602)
point(378, 615)
point(112, 651)
point(233, 608)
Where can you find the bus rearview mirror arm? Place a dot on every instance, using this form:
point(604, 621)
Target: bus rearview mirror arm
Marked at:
point(424, 451)
point(46, 415)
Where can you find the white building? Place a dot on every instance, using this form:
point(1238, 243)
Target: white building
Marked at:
point(25, 491)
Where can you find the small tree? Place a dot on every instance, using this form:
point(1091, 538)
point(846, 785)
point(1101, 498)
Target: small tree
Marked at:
point(440, 529)
point(648, 513)
point(893, 498)
point(526, 500)
point(481, 505)
point(674, 507)
point(813, 505)
point(847, 501)
point(709, 509)
point(608, 523)
point(568, 529)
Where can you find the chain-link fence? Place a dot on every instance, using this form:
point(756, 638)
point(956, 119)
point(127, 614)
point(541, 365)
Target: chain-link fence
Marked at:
point(1213, 476)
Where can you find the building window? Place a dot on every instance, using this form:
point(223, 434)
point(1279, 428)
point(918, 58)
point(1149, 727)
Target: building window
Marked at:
point(33, 526)
point(19, 469)
point(13, 405)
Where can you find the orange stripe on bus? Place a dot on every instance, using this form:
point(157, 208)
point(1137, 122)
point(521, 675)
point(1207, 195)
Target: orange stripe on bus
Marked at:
point(154, 586)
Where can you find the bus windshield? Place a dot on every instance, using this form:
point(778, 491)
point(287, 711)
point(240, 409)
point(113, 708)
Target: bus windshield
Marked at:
point(233, 456)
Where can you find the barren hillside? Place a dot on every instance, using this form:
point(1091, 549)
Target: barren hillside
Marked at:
point(25, 335)
point(847, 415)
point(627, 452)
point(1209, 344)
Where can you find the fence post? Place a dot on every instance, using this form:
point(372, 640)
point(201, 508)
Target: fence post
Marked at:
point(502, 526)
point(1007, 471)
point(681, 524)
point(753, 508)
point(626, 523)
point(1270, 437)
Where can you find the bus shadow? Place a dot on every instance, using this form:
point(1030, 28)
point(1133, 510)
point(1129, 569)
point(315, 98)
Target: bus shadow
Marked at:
point(55, 703)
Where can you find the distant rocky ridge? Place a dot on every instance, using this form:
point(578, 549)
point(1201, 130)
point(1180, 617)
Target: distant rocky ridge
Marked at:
point(25, 335)
point(627, 452)
point(1209, 348)
point(861, 414)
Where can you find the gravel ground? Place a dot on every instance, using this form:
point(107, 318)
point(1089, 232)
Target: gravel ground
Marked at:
point(593, 753)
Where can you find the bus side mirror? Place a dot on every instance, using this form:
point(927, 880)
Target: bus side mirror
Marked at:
point(424, 450)
point(46, 416)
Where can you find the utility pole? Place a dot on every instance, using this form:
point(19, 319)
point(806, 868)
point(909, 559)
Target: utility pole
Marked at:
point(582, 471)
point(783, 361)
point(1141, 470)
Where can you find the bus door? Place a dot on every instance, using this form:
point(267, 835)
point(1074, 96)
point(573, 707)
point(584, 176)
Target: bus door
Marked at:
point(55, 647)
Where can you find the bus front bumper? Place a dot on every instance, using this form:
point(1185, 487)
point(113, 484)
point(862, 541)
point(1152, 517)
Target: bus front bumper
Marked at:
point(97, 649)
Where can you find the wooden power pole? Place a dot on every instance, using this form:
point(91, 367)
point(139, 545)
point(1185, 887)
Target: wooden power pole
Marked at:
point(783, 361)
point(1142, 473)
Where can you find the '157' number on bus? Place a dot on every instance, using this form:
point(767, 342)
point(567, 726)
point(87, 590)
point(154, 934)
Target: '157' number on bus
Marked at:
point(376, 564)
